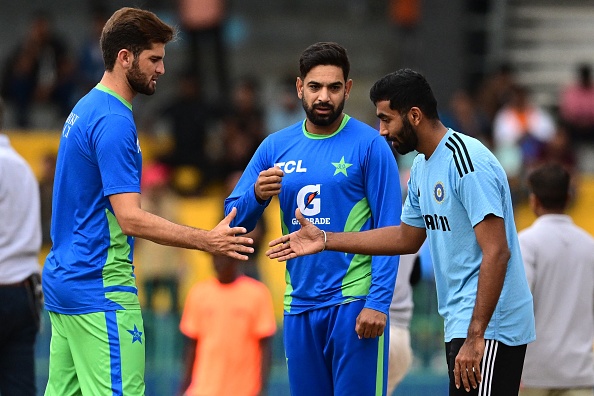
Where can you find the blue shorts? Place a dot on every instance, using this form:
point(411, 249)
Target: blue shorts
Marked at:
point(326, 357)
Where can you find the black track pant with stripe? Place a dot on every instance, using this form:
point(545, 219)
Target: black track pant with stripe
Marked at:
point(501, 369)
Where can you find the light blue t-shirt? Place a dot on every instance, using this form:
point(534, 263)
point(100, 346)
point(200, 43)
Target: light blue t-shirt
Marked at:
point(448, 195)
point(356, 177)
point(89, 268)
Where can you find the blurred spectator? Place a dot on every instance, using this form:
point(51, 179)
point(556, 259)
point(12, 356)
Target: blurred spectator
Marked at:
point(560, 271)
point(401, 311)
point(405, 16)
point(160, 266)
point(203, 21)
point(243, 126)
point(40, 69)
point(495, 90)
point(46, 191)
point(464, 116)
point(520, 130)
point(191, 118)
point(229, 324)
point(559, 150)
point(285, 109)
point(576, 106)
point(20, 282)
point(90, 59)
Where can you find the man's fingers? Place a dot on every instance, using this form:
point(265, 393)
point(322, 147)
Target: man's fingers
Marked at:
point(240, 231)
point(229, 217)
point(241, 244)
point(286, 257)
point(281, 254)
point(278, 241)
point(465, 381)
point(464, 376)
point(457, 375)
point(477, 373)
point(472, 377)
point(237, 256)
point(300, 217)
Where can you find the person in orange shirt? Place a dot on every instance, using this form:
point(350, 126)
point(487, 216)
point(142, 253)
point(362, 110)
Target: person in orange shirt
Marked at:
point(229, 322)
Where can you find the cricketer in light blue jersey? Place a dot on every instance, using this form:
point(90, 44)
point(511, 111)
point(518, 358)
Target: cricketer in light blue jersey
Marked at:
point(460, 184)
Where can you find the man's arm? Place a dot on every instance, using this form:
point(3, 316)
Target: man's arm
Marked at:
point(266, 350)
point(221, 240)
point(491, 237)
point(402, 239)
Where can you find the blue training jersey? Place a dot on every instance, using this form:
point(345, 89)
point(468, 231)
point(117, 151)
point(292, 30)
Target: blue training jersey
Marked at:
point(89, 268)
point(355, 176)
point(449, 194)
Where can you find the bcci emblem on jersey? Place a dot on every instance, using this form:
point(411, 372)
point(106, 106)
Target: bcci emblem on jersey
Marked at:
point(439, 192)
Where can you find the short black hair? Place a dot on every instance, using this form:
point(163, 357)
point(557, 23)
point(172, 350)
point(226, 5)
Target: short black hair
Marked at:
point(405, 88)
point(324, 53)
point(550, 184)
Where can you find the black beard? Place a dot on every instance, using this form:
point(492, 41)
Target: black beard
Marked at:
point(408, 138)
point(322, 120)
point(137, 80)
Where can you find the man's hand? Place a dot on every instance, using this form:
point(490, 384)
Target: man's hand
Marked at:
point(222, 239)
point(370, 323)
point(468, 363)
point(268, 183)
point(308, 240)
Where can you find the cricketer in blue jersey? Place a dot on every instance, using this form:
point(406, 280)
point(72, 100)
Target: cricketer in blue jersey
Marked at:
point(97, 344)
point(343, 176)
point(459, 199)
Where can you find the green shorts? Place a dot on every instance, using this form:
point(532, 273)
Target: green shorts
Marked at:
point(100, 353)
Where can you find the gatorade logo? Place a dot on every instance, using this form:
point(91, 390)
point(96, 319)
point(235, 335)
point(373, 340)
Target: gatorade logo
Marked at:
point(308, 200)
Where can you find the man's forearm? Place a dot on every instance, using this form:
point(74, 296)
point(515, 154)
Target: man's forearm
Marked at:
point(385, 241)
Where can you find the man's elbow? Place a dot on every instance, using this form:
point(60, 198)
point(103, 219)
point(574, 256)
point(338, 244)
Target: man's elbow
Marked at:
point(129, 225)
point(503, 254)
point(127, 228)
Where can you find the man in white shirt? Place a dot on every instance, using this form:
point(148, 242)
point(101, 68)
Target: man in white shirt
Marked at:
point(559, 261)
point(20, 288)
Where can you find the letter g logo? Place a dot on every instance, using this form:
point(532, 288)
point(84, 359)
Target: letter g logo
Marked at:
point(308, 201)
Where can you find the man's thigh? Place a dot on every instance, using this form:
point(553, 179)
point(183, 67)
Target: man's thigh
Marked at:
point(325, 355)
point(100, 353)
point(501, 369)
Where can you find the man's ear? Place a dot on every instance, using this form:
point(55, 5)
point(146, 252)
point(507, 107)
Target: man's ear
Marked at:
point(125, 58)
point(347, 88)
point(299, 87)
point(415, 115)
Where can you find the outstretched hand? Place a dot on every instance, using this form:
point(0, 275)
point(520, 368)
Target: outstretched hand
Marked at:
point(308, 240)
point(223, 240)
